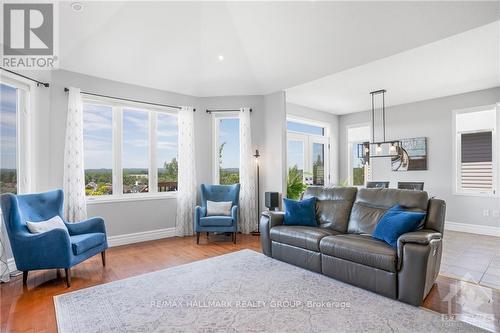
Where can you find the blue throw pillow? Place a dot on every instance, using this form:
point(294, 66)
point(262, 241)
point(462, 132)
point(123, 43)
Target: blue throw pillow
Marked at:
point(300, 212)
point(395, 222)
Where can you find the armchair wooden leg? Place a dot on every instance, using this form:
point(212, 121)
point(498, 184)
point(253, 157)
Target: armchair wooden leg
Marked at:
point(67, 272)
point(103, 256)
point(234, 237)
point(58, 273)
point(197, 238)
point(25, 278)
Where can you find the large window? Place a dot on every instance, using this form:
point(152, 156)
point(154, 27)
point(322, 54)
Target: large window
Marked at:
point(476, 151)
point(129, 149)
point(227, 154)
point(307, 152)
point(14, 134)
point(358, 168)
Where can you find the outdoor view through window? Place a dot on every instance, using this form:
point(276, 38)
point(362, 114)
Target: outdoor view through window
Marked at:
point(138, 153)
point(229, 150)
point(8, 136)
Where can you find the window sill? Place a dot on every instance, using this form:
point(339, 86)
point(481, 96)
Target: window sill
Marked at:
point(132, 197)
point(472, 194)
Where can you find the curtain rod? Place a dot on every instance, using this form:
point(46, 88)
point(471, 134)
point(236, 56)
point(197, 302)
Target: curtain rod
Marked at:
point(38, 83)
point(130, 100)
point(223, 110)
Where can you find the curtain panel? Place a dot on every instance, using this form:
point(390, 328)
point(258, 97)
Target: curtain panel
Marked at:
point(248, 201)
point(75, 208)
point(186, 179)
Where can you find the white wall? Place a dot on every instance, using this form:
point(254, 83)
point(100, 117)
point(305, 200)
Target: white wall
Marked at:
point(431, 119)
point(274, 154)
point(333, 127)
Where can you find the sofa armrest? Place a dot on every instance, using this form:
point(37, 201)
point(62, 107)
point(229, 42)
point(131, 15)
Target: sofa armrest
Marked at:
point(269, 220)
point(94, 224)
point(419, 260)
point(424, 237)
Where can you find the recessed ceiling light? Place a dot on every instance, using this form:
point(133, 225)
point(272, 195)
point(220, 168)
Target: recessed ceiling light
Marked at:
point(220, 57)
point(77, 7)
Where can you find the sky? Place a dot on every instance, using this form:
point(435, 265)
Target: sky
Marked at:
point(8, 97)
point(98, 138)
point(229, 132)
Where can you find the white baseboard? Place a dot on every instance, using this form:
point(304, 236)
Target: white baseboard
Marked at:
point(140, 236)
point(473, 228)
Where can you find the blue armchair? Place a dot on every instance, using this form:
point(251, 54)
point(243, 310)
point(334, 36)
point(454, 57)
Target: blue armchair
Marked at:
point(204, 223)
point(53, 249)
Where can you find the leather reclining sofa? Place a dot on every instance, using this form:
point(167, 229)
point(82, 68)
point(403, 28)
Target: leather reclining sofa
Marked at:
point(341, 245)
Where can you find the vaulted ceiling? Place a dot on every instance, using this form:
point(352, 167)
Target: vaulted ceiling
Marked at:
point(266, 46)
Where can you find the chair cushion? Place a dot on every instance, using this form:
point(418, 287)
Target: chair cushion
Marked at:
point(84, 242)
point(216, 221)
point(300, 236)
point(362, 249)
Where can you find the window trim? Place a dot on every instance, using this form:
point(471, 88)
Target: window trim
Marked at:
point(348, 153)
point(25, 136)
point(215, 138)
point(117, 149)
point(456, 139)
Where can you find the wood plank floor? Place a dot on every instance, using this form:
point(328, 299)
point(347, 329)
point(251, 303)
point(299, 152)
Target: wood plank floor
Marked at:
point(31, 309)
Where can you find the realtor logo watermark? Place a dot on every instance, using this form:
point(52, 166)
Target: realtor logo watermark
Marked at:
point(29, 36)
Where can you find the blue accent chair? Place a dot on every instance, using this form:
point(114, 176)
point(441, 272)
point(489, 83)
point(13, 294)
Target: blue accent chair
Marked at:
point(54, 249)
point(204, 223)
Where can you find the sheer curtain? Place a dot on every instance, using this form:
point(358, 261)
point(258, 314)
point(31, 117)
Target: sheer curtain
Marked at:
point(186, 180)
point(248, 203)
point(4, 267)
point(74, 174)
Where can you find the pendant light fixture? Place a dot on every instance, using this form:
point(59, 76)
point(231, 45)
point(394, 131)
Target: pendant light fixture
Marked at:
point(383, 148)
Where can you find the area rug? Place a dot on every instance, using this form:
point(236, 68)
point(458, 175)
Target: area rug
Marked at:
point(243, 291)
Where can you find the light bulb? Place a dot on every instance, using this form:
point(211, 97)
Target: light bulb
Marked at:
point(379, 149)
point(392, 150)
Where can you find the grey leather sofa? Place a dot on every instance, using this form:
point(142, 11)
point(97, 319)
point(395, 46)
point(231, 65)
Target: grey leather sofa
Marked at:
point(341, 245)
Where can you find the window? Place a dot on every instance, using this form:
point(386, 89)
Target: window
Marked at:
point(227, 155)
point(129, 150)
point(167, 152)
point(14, 135)
point(476, 154)
point(358, 169)
point(135, 156)
point(98, 149)
point(307, 152)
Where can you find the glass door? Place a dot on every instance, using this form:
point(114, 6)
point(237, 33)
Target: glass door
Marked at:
point(308, 156)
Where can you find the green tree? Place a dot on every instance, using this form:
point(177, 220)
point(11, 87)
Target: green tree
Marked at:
point(295, 183)
point(171, 170)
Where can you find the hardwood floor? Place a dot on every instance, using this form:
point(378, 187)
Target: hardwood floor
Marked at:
point(31, 309)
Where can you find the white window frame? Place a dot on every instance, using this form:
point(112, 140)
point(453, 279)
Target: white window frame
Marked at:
point(309, 140)
point(215, 144)
point(457, 157)
point(24, 131)
point(117, 150)
point(349, 150)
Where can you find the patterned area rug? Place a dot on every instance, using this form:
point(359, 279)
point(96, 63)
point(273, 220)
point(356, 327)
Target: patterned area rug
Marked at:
point(243, 291)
